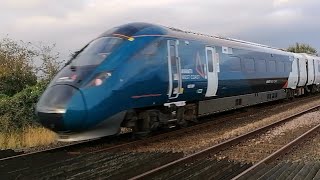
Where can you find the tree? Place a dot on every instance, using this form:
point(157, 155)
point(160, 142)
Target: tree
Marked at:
point(50, 64)
point(16, 66)
point(302, 48)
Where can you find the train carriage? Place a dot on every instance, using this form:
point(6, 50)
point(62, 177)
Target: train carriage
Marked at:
point(144, 77)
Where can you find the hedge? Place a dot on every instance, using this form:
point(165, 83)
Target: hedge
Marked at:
point(17, 111)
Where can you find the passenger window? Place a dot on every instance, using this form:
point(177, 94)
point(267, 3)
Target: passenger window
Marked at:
point(151, 49)
point(261, 65)
point(210, 60)
point(235, 64)
point(280, 67)
point(272, 66)
point(288, 67)
point(173, 55)
point(249, 65)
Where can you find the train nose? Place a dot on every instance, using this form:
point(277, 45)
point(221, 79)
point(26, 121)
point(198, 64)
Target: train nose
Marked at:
point(61, 108)
point(53, 121)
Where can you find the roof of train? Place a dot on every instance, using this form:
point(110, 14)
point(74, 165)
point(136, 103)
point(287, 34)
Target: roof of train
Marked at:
point(147, 29)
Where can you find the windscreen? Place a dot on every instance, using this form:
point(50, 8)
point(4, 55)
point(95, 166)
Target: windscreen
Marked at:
point(56, 97)
point(97, 51)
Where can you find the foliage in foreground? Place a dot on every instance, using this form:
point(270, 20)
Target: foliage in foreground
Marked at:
point(21, 85)
point(17, 111)
point(22, 82)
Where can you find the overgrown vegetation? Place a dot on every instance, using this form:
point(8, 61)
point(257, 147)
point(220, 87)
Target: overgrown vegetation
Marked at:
point(16, 70)
point(17, 111)
point(21, 85)
point(29, 136)
point(302, 48)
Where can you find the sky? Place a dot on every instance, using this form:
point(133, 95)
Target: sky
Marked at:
point(70, 24)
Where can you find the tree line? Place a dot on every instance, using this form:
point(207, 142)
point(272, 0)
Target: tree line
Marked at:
point(302, 48)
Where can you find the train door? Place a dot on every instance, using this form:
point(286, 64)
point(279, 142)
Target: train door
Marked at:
point(310, 69)
point(317, 71)
point(302, 70)
point(294, 73)
point(314, 71)
point(174, 69)
point(212, 72)
point(307, 70)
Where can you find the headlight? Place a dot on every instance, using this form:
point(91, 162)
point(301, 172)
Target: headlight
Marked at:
point(99, 79)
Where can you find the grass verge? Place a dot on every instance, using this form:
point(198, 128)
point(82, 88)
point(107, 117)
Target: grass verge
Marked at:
point(28, 137)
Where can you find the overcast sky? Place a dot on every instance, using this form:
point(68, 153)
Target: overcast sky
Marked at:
point(72, 23)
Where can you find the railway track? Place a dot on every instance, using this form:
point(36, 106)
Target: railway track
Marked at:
point(203, 163)
point(19, 166)
point(114, 142)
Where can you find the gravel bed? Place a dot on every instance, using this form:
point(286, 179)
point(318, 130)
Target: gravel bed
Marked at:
point(197, 140)
point(308, 151)
point(263, 145)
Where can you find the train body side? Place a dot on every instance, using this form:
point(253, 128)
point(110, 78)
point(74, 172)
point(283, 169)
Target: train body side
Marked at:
point(156, 72)
point(239, 71)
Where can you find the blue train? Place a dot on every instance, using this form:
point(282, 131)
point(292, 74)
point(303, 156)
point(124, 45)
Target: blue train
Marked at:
point(144, 77)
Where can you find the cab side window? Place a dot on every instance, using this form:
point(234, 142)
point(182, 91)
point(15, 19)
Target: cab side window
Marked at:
point(151, 49)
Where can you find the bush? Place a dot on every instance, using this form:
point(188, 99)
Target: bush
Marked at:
point(19, 89)
point(16, 70)
point(3, 96)
point(17, 111)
